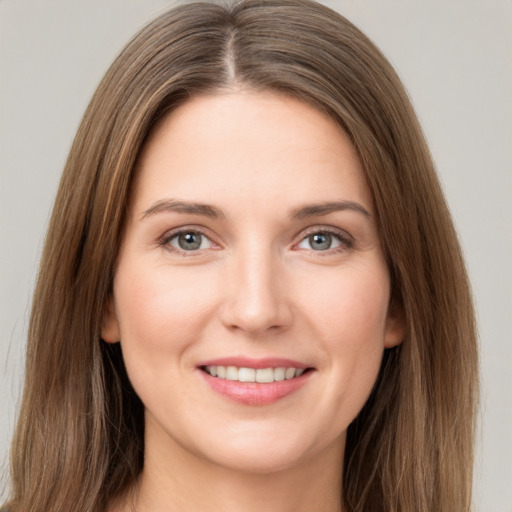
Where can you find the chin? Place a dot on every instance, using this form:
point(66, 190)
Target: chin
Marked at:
point(269, 453)
point(257, 461)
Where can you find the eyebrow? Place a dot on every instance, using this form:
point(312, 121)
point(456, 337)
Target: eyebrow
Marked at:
point(325, 208)
point(310, 210)
point(171, 205)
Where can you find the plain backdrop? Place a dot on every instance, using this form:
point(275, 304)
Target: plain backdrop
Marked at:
point(455, 58)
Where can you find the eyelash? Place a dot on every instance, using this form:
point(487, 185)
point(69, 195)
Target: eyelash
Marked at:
point(168, 237)
point(346, 241)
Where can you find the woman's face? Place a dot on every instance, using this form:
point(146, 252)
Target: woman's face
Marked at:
point(251, 250)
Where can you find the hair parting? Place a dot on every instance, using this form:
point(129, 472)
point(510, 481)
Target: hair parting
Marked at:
point(79, 442)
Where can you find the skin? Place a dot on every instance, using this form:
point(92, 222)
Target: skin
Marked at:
point(256, 287)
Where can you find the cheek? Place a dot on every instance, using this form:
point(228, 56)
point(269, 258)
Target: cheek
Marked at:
point(351, 305)
point(161, 310)
point(349, 319)
point(162, 313)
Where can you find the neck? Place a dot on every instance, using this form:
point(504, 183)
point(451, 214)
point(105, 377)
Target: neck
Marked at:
point(177, 481)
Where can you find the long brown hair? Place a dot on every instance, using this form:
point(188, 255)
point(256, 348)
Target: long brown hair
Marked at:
point(80, 436)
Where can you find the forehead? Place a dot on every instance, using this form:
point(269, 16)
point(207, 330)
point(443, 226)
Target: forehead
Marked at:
point(265, 146)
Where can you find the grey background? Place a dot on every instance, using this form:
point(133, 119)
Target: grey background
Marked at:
point(455, 58)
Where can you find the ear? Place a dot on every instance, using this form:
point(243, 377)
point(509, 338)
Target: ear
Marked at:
point(396, 325)
point(110, 325)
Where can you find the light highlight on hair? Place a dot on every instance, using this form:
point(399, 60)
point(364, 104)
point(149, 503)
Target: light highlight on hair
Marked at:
point(79, 440)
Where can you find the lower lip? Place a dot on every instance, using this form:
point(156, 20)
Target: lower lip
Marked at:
point(254, 393)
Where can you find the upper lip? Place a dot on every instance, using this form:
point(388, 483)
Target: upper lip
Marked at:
point(256, 363)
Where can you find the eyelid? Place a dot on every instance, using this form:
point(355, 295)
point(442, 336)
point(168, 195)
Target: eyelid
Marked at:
point(173, 233)
point(347, 241)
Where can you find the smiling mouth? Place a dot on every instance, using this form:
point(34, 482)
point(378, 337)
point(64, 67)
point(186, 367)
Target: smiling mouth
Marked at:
point(259, 375)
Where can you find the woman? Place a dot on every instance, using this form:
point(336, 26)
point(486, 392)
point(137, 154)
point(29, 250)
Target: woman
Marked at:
point(251, 281)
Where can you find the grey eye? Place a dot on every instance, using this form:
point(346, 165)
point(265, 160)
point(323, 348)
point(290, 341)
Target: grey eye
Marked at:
point(189, 241)
point(320, 241)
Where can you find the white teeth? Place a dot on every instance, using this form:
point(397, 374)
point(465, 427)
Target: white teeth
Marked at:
point(279, 373)
point(247, 375)
point(232, 373)
point(264, 375)
point(290, 373)
point(261, 375)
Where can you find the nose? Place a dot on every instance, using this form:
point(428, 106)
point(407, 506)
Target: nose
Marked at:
point(256, 294)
